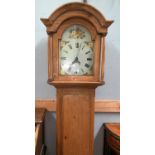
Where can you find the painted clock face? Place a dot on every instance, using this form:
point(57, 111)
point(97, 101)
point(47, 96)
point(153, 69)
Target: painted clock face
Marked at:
point(76, 52)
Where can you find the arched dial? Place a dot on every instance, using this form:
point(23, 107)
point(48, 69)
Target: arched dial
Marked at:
point(76, 52)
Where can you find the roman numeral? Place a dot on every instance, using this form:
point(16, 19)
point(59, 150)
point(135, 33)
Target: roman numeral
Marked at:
point(63, 58)
point(70, 46)
point(89, 59)
point(87, 52)
point(86, 65)
point(77, 45)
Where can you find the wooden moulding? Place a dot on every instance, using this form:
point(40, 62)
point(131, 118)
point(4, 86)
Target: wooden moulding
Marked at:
point(86, 10)
point(100, 105)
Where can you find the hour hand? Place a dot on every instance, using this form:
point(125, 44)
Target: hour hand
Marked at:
point(76, 61)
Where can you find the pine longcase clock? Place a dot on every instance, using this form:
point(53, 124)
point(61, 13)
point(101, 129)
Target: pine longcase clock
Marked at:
point(76, 50)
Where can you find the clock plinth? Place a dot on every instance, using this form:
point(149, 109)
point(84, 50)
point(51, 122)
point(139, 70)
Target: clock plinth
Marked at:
point(76, 53)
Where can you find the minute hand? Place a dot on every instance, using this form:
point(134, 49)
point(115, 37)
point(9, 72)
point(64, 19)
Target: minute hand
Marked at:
point(78, 51)
point(77, 55)
point(76, 60)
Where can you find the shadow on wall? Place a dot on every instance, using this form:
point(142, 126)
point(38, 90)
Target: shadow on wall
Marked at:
point(111, 89)
point(99, 142)
point(50, 133)
point(42, 89)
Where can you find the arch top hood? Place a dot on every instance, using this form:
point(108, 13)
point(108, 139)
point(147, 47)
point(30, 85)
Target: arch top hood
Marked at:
point(78, 10)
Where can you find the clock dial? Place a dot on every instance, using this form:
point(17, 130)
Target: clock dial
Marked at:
point(76, 52)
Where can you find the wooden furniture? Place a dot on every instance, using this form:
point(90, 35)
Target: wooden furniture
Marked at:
point(40, 148)
point(76, 52)
point(112, 139)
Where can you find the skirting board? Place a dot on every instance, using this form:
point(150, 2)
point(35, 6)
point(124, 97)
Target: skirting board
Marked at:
point(100, 105)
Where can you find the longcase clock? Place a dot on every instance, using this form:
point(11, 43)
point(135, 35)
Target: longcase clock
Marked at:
point(76, 52)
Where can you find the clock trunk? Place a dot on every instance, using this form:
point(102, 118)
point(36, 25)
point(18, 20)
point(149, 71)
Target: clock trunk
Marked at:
point(75, 121)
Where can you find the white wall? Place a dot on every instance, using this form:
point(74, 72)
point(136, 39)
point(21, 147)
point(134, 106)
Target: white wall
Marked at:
point(111, 90)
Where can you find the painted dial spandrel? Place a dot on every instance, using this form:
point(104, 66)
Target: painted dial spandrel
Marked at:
point(76, 52)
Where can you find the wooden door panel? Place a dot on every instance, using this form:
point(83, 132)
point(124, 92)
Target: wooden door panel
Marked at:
point(76, 124)
point(75, 121)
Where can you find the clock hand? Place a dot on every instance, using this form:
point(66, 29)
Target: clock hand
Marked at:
point(78, 50)
point(70, 67)
point(76, 61)
point(77, 56)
